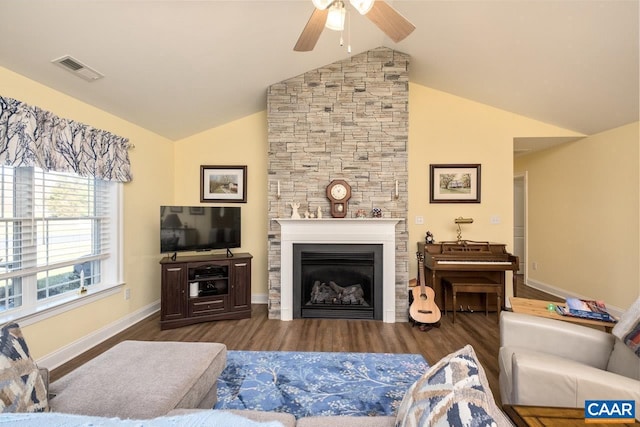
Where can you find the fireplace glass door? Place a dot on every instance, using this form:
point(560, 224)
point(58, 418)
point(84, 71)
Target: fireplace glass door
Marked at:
point(337, 281)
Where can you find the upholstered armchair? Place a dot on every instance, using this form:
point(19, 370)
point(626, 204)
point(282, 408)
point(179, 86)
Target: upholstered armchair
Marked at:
point(548, 362)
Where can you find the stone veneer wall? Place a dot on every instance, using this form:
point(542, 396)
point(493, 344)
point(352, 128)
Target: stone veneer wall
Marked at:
point(347, 120)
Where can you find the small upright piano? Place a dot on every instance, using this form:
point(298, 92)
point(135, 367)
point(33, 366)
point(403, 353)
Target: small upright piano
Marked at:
point(467, 259)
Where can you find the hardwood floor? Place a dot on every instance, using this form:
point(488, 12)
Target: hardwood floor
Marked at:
point(261, 333)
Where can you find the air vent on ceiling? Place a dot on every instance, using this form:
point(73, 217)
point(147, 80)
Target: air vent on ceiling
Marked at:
point(78, 68)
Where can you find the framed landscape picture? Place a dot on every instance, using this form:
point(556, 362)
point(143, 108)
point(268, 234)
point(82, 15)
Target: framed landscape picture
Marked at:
point(223, 184)
point(455, 183)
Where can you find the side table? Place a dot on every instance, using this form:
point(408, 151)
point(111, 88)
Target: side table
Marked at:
point(539, 308)
point(544, 416)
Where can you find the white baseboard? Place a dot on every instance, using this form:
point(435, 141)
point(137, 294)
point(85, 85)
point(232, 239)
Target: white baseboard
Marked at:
point(560, 293)
point(68, 352)
point(563, 293)
point(259, 299)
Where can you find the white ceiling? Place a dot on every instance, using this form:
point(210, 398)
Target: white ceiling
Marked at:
point(179, 67)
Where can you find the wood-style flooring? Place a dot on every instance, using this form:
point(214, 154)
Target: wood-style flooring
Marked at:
point(261, 333)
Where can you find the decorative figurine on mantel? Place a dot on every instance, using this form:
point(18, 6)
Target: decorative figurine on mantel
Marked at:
point(376, 213)
point(294, 210)
point(319, 214)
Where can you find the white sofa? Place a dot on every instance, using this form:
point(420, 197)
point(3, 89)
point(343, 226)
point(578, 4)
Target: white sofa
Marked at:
point(548, 362)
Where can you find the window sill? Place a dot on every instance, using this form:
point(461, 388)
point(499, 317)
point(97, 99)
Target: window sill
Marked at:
point(59, 306)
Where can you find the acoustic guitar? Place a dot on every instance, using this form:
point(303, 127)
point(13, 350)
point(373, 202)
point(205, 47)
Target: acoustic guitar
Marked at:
point(423, 308)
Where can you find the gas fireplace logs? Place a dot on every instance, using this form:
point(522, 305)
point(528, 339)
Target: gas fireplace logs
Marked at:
point(332, 293)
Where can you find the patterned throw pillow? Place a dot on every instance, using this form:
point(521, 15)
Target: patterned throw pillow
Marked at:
point(453, 392)
point(22, 388)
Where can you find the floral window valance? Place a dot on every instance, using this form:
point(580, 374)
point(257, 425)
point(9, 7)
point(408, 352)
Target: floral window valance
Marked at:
point(31, 136)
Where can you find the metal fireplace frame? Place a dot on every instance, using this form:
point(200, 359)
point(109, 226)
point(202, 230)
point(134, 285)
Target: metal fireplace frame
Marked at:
point(373, 312)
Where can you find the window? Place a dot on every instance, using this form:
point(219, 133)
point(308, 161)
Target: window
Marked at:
point(58, 235)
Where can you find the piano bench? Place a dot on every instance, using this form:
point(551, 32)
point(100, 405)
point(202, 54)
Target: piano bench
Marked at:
point(472, 285)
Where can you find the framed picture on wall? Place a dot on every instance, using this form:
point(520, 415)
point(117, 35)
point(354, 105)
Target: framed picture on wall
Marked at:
point(223, 184)
point(454, 183)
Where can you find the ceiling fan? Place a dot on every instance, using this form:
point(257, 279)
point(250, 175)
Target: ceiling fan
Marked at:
point(331, 14)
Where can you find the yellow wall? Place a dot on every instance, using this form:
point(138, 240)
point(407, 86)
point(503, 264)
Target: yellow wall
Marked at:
point(446, 129)
point(583, 216)
point(152, 185)
point(242, 142)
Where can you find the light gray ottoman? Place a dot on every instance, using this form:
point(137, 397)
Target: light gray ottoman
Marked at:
point(142, 379)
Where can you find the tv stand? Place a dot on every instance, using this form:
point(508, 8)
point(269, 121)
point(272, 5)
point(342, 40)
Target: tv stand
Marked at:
point(204, 288)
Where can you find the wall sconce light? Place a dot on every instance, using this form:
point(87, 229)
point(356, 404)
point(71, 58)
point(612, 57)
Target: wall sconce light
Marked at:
point(278, 191)
point(396, 193)
point(461, 220)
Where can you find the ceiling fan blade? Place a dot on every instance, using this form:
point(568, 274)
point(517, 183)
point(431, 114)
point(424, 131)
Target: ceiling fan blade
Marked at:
point(394, 25)
point(312, 31)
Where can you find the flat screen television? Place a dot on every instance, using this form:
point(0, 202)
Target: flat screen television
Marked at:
point(199, 228)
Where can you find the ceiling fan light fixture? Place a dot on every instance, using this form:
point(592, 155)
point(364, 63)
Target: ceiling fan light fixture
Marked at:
point(362, 6)
point(322, 4)
point(335, 19)
point(332, 15)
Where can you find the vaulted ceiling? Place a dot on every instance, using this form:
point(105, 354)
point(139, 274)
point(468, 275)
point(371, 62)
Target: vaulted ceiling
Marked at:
point(178, 67)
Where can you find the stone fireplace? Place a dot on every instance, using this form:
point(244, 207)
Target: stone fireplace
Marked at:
point(347, 120)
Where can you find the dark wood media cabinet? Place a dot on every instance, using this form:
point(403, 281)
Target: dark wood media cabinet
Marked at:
point(203, 288)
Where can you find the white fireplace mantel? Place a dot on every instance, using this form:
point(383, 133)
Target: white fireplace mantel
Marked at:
point(339, 231)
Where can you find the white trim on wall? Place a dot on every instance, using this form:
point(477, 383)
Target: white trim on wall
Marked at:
point(70, 301)
point(68, 352)
point(260, 299)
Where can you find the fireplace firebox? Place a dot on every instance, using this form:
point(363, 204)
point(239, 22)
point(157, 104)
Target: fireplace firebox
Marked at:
point(337, 281)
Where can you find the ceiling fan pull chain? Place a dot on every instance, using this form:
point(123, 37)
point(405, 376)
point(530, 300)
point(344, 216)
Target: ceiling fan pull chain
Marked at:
point(349, 32)
point(342, 33)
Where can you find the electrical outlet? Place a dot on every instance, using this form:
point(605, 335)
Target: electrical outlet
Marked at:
point(495, 219)
point(127, 293)
point(534, 265)
point(419, 220)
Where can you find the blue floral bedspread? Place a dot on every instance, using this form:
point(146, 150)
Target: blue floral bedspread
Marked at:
point(318, 383)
